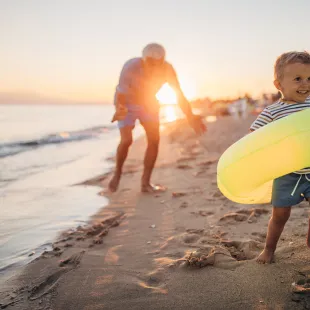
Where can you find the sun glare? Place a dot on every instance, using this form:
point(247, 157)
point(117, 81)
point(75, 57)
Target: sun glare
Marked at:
point(166, 94)
point(169, 113)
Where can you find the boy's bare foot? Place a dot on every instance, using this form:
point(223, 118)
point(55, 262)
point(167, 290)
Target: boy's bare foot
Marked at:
point(308, 235)
point(266, 257)
point(150, 188)
point(113, 184)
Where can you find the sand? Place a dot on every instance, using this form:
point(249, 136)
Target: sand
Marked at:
point(186, 248)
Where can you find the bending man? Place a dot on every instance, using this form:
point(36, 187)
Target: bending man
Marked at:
point(135, 98)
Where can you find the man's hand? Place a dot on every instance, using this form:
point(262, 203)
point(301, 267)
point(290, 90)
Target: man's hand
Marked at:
point(196, 122)
point(120, 113)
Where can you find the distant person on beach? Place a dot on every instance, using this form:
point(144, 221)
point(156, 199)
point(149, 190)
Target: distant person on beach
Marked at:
point(135, 98)
point(292, 79)
point(243, 108)
point(239, 109)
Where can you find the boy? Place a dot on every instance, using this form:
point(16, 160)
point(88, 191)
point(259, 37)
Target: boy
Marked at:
point(292, 79)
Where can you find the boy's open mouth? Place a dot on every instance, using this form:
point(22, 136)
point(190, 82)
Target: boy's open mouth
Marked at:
point(303, 92)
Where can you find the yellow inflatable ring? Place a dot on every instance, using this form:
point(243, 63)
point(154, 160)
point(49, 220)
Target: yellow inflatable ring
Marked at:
point(246, 169)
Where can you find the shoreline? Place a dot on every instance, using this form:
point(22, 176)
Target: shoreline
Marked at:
point(13, 265)
point(12, 272)
point(153, 251)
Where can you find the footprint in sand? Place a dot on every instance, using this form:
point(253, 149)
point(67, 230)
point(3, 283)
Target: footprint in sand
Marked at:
point(249, 215)
point(45, 286)
point(207, 163)
point(301, 292)
point(155, 280)
point(261, 236)
point(185, 159)
point(190, 238)
point(184, 166)
point(233, 217)
point(98, 230)
point(195, 231)
point(202, 213)
point(156, 277)
point(153, 288)
point(178, 194)
point(219, 195)
point(184, 204)
point(216, 256)
point(44, 283)
point(243, 250)
point(111, 257)
point(302, 286)
point(199, 173)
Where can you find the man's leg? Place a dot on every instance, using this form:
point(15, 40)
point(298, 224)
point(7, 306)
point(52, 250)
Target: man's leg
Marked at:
point(121, 155)
point(152, 134)
point(275, 227)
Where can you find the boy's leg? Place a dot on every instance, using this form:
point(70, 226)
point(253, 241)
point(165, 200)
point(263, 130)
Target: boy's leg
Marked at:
point(275, 227)
point(308, 235)
point(121, 155)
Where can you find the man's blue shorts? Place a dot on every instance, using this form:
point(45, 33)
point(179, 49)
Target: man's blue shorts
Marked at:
point(290, 189)
point(139, 112)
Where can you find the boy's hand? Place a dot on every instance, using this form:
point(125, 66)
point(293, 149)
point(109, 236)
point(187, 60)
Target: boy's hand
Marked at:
point(196, 122)
point(120, 113)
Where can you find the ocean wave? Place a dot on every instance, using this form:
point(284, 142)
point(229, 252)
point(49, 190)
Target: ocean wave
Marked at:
point(16, 147)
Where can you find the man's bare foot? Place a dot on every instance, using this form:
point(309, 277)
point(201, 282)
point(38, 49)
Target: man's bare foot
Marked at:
point(266, 257)
point(113, 184)
point(150, 188)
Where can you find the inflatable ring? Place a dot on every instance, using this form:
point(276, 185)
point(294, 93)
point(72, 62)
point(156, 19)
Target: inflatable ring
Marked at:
point(246, 169)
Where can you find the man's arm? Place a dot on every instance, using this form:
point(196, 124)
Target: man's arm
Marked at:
point(120, 107)
point(182, 100)
point(195, 121)
point(124, 88)
point(119, 98)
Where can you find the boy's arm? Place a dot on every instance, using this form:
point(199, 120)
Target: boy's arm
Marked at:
point(264, 118)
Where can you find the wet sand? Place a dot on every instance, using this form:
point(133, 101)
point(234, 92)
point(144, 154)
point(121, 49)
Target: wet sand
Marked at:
point(186, 248)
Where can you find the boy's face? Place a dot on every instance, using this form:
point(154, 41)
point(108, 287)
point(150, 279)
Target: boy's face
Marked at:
point(295, 82)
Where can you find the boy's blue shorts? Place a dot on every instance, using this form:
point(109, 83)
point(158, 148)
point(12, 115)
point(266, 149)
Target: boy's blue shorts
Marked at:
point(290, 189)
point(136, 111)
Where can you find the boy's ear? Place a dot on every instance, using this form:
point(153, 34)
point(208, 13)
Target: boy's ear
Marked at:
point(277, 84)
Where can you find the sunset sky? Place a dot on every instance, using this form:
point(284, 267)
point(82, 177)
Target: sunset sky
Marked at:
point(75, 49)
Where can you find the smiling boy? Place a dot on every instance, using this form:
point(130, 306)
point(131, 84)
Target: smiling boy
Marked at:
point(292, 79)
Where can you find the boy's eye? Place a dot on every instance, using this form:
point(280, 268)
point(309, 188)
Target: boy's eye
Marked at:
point(308, 78)
point(297, 79)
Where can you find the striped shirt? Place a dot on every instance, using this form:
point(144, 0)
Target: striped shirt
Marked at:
point(277, 111)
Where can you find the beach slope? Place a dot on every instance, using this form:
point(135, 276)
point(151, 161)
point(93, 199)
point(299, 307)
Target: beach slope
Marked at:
point(186, 248)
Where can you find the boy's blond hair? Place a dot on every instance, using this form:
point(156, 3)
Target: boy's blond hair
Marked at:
point(289, 58)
